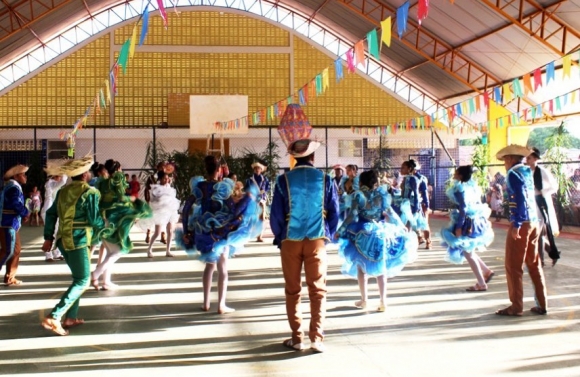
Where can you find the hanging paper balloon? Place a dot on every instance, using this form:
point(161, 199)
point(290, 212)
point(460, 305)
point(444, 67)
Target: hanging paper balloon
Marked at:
point(294, 125)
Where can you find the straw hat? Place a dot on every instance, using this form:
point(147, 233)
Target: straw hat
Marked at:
point(262, 166)
point(513, 150)
point(53, 168)
point(73, 168)
point(339, 166)
point(15, 170)
point(303, 147)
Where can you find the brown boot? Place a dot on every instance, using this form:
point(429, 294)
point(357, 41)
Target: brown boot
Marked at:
point(163, 240)
point(148, 236)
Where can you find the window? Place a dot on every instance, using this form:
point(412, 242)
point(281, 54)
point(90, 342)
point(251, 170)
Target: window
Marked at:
point(350, 148)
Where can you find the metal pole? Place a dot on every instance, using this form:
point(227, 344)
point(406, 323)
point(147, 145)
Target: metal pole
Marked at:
point(270, 143)
point(95, 143)
point(154, 149)
point(380, 151)
point(326, 149)
point(35, 139)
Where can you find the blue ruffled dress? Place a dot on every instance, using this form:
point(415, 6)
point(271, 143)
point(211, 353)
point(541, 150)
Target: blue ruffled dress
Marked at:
point(471, 216)
point(378, 244)
point(408, 204)
point(215, 223)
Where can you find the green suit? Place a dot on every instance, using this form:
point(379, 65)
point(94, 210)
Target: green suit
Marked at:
point(77, 208)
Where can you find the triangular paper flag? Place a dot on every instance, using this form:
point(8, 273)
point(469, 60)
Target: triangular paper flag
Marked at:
point(373, 44)
point(144, 25)
point(402, 16)
point(386, 31)
point(359, 53)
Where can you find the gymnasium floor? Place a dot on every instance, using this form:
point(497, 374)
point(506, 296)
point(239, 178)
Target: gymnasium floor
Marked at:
point(152, 326)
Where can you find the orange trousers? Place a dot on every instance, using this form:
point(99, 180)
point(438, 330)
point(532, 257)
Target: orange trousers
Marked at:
point(311, 253)
point(518, 252)
point(11, 261)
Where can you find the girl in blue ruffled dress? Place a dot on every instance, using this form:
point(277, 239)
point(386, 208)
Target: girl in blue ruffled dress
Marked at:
point(470, 229)
point(373, 241)
point(408, 205)
point(217, 223)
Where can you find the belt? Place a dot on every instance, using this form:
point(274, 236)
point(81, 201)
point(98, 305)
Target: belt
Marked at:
point(9, 211)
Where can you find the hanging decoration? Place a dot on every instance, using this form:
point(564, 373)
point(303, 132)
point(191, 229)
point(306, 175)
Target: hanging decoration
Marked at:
point(294, 125)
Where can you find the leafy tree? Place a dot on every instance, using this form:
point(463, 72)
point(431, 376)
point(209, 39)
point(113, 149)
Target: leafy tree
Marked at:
point(539, 138)
point(557, 142)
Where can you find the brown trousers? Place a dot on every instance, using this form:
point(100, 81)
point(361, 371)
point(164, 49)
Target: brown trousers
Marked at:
point(311, 253)
point(12, 262)
point(518, 252)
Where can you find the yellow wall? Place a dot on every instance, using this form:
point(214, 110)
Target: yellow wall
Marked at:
point(60, 95)
point(499, 137)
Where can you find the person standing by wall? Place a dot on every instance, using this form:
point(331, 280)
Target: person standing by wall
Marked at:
point(522, 237)
point(304, 217)
point(13, 213)
point(263, 184)
point(545, 185)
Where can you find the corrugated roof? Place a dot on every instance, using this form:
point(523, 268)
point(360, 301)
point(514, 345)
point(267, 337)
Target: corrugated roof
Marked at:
point(472, 28)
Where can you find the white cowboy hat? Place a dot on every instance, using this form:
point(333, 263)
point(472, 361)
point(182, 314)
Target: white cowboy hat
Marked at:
point(513, 150)
point(72, 168)
point(262, 166)
point(303, 147)
point(339, 166)
point(15, 170)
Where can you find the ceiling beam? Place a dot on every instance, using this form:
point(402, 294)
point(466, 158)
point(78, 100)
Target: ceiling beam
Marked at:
point(434, 49)
point(24, 22)
point(541, 23)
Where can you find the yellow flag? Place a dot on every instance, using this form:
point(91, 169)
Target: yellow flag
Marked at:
point(325, 79)
point(566, 64)
point(507, 93)
point(133, 42)
point(108, 92)
point(386, 32)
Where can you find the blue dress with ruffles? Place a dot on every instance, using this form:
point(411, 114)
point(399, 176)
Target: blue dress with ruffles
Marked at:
point(373, 237)
point(471, 216)
point(408, 204)
point(214, 223)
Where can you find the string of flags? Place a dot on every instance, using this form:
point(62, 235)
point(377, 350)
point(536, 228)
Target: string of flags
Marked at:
point(354, 57)
point(513, 119)
point(109, 88)
point(503, 94)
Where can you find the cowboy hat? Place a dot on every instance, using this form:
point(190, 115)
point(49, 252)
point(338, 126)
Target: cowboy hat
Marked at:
point(73, 168)
point(536, 153)
point(18, 169)
point(262, 166)
point(303, 147)
point(512, 150)
point(339, 166)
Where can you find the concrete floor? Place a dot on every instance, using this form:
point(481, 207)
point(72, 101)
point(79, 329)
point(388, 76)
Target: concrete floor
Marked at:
point(153, 325)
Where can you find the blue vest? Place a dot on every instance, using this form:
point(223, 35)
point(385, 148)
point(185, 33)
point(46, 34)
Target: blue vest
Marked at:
point(9, 218)
point(306, 202)
point(525, 173)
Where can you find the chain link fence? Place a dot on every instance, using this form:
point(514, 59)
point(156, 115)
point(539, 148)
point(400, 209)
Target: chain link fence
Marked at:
point(132, 147)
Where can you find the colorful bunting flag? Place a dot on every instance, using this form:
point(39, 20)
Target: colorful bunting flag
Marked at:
point(325, 80)
point(123, 59)
point(318, 84)
point(422, 10)
point(550, 72)
point(338, 73)
point(507, 93)
point(528, 83)
point(162, 12)
point(359, 53)
point(144, 25)
point(566, 65)
point(537, 79)
point(373, 44)
point(350, 60)
point(402, 16)
point(386, 31)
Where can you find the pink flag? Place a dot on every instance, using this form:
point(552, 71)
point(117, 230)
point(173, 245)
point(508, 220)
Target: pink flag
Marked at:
point(163, 12)
point(350, 60)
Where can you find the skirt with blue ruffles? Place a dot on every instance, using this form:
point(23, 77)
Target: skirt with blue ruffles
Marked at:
point(212, 235)
point(477, 238)
point(377, 248)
